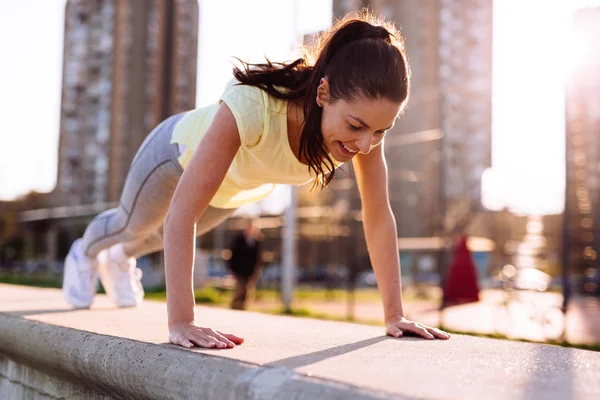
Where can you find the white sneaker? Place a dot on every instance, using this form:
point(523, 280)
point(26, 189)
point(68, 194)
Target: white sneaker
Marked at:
point(80, 280)
point(122, 283)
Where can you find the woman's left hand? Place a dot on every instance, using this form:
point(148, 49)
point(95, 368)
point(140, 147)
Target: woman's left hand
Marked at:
point(396, 326)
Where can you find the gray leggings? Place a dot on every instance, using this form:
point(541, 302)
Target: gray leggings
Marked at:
point(137, 222)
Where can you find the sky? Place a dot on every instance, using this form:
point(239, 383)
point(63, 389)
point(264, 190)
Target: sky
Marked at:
point(527, 110)
point(30, 83)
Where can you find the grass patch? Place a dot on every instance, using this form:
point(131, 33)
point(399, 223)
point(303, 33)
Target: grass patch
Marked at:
point(31, 280)
point(211, 294)
point(366, 294)
point(37, 281)
point(207, 295)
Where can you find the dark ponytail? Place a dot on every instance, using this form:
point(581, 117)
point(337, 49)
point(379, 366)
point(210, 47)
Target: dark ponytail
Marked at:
point(361, 56)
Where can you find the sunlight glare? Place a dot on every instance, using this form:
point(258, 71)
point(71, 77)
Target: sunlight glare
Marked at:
point(528, 108)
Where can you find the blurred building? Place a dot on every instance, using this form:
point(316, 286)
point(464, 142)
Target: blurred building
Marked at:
point(582, 220)
point(128, 64)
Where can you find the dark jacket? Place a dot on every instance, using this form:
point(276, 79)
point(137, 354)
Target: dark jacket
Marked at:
point(245, 257)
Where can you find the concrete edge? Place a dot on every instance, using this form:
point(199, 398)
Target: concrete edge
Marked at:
point(19, 381)
point(130, 369)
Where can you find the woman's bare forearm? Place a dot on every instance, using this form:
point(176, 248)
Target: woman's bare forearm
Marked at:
point(380, 233)
point(179, 236)
point(186, 208)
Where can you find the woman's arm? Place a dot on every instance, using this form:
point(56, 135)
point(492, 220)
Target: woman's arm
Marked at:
point(382, 242)
point(196, 188)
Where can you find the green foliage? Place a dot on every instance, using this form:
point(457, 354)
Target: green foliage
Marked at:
point(208, 295)
point(38, 281)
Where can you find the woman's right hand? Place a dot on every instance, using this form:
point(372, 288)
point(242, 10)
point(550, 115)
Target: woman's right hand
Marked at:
point(190, 334)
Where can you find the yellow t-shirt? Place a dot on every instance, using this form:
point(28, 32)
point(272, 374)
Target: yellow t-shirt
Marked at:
point(264, 158)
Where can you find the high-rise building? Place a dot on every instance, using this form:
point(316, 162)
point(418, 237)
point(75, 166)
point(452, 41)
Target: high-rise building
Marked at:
point(128, 64)
point(582, 221)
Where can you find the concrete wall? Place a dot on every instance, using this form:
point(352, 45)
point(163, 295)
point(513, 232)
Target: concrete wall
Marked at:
point(18, 381)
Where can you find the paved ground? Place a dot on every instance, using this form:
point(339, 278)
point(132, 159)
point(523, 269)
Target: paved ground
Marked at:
point(463, 367)
point(536, 317)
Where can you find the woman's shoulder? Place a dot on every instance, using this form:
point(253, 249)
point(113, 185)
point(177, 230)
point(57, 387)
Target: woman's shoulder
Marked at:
point(240, 92)
point(252, 96)
point(254, 110)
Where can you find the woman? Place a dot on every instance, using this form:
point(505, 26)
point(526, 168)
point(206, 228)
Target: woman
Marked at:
point(274, 124)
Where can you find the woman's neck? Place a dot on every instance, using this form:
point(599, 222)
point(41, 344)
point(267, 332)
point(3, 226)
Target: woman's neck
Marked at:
point(295, 122)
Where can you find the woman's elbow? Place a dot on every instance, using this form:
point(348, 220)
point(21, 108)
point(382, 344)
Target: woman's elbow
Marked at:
point(173, 218)
point(179, 218)
point(378, 215)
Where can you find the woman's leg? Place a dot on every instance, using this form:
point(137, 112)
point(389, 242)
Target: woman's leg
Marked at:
point(146, 196)
point(209, 220)
point(150, 183)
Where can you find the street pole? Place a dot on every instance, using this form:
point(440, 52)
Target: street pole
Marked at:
point(565, 237)
point(288, 273)
point(442, 257)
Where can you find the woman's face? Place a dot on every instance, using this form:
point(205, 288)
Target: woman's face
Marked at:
point(352, 127)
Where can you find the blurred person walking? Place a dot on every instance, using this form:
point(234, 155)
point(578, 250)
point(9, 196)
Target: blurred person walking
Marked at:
point(245, 263)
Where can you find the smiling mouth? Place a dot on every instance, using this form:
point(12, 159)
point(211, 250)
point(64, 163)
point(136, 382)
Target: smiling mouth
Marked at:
point(347, 151)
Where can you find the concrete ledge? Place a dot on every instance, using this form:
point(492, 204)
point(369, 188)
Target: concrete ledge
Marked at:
point(50, 350)
point(125, 368)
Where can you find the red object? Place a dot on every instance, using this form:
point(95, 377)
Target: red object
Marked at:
point(461, 284)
